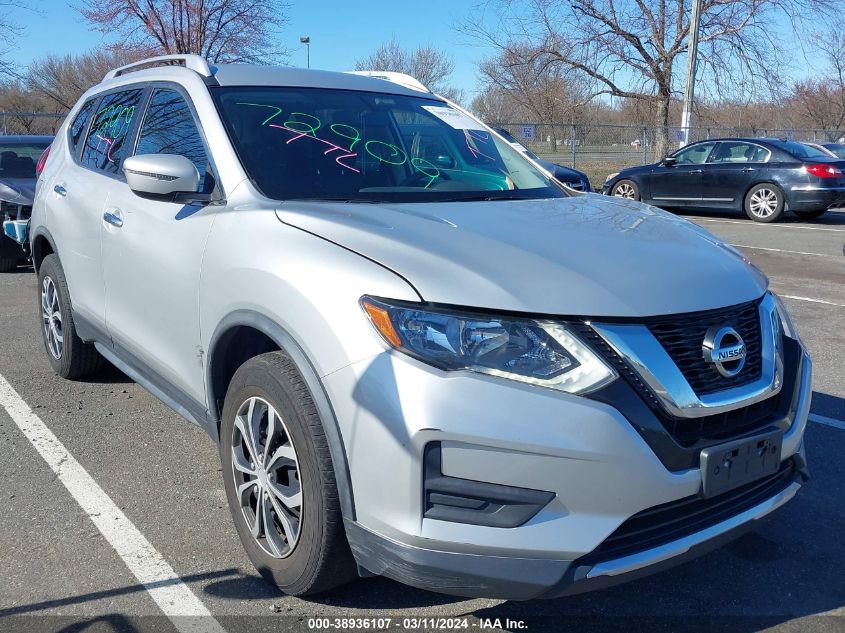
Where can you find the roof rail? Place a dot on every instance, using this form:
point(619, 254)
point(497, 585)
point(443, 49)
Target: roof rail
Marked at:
point(192, 62)
point(398, 78)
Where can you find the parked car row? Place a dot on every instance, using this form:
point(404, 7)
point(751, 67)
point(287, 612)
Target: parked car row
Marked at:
point(765, 178)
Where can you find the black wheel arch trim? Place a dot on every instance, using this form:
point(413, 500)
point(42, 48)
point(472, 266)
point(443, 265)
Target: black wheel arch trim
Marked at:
point(44, 232)
point(289, 345)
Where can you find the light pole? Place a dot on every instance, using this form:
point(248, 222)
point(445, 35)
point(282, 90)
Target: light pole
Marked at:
point(689, 92)
point(307, 41)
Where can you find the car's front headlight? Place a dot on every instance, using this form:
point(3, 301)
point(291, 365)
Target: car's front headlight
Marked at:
point(611, 176)
point(543, 353)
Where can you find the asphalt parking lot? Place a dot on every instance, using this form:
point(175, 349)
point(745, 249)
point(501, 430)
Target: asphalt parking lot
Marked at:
point(59, 572)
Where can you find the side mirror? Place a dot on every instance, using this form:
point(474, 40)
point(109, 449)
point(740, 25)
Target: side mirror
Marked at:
point(670, 161)
point(166, 177)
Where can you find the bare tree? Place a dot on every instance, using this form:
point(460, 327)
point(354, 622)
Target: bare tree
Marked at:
point(820, 100)
point(10, 30)
point(220, 30)
point(14, 98)
point(635, 48)
point(60, 81)
point(541, 92)
point(429, 65)
point(494, 105)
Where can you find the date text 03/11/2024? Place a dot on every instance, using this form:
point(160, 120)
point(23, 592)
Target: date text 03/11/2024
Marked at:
point(414, 624)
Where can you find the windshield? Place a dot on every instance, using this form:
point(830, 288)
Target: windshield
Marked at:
point(17, 160)
point(310, 143)
point(516, 144)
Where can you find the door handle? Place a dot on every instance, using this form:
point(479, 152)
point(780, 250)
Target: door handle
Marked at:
point(696, 171)
point(59, 189)
point(749, 169)
point(113, 217)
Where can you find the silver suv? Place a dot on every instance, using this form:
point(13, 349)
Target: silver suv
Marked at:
point(421, 356)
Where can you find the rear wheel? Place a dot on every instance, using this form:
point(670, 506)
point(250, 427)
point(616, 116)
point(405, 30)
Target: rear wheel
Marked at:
point(279, 479)
point(811, 215)
point(68, 354)
point(626, 189)
point(764, 203)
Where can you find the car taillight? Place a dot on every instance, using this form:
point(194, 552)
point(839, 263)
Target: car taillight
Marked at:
point(42, 160)
point(824, 171)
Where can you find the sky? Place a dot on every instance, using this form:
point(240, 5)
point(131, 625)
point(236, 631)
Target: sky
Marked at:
point(341, 31)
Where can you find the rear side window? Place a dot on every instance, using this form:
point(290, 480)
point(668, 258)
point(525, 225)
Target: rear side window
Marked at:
point(77, 128)
point(169, 128)
point(108, 142)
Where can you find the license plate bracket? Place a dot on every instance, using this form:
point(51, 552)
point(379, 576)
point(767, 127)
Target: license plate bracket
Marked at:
point(732, 464)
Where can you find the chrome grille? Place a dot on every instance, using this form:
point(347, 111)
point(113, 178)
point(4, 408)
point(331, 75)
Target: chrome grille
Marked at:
point(682, 338)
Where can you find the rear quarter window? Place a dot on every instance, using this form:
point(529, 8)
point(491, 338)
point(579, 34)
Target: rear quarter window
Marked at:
point(109, 141)
point(79, 125)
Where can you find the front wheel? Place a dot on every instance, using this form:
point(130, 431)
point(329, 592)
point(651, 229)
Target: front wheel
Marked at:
point(764, 203)
point(811, 215)
point(279, 479)
point(626, 189)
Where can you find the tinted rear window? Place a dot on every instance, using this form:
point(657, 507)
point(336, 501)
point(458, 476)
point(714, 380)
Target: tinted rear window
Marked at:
point(79, 125)
point(801, 151)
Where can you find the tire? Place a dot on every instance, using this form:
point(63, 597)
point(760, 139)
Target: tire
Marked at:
point(810, 215)
point(627, 189)
point(10, 254)
point(68, 354)
point(764, 203)
point(312, 554)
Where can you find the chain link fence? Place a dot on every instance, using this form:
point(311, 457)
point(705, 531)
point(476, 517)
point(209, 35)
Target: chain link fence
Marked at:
point(600, 149)
point(30, 122)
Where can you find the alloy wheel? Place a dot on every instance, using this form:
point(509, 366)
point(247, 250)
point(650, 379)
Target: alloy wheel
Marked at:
point(51, 316)
point(266, 471)
point(763, 203)
point(625, 190)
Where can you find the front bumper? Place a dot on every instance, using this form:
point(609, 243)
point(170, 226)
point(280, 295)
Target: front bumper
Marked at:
point(599, 468)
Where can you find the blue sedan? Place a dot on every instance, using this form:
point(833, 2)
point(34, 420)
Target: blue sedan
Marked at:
point(765, 178)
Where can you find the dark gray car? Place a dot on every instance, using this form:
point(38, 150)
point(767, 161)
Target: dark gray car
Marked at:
point(18, 159)
point(763, 177)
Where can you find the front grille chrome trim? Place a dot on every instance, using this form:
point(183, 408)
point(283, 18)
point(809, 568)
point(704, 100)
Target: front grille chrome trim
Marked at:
point(638, 346)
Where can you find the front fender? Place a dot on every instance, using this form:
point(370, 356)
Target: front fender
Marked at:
point(302, 292)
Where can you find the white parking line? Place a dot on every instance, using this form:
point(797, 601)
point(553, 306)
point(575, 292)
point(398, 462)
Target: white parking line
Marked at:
point(174, 598)
point(780, 250)
point(760, 224)
point(811, 300)
point(821, 419)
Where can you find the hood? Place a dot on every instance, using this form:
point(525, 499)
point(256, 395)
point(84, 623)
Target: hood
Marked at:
point(17, 190)
point(582, 256)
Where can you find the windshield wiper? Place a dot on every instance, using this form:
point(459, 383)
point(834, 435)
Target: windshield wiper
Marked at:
point(339, 199)
point(486, 198)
